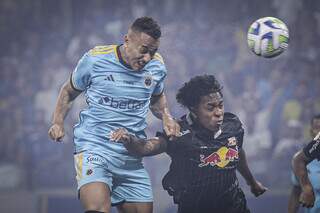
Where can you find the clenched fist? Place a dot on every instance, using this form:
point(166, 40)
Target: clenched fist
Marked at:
point(56, 132)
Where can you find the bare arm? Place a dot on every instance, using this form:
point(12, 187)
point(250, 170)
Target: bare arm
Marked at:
point(293, 205)
point(66, 96)
point(256, 187)
point(140, 147)
point(299, 165)
point(159, 108)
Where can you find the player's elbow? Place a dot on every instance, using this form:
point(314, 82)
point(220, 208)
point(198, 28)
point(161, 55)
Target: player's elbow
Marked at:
point(298, 160)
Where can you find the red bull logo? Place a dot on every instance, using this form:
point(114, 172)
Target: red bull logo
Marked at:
point(220, 158)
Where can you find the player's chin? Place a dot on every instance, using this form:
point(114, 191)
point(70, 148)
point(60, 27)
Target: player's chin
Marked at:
point(137, 67)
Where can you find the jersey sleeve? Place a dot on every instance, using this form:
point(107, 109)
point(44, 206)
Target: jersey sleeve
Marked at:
point(312, 149)
point(81, 75)
point(161, 72)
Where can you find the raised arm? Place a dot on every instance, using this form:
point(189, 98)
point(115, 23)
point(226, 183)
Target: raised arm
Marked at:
point(66, 96)
point(299, 165)
point(137, 146)
point(256, 187)
point(159, 108)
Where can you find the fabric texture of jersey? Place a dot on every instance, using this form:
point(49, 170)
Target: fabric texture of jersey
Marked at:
point(314, 175)
point(116, 97)
point(202, 163)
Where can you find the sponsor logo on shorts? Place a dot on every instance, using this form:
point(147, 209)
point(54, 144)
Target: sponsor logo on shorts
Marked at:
point(95, 159)
point(89, 172)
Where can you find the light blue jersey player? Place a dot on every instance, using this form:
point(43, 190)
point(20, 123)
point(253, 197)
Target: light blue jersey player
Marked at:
point(314, 175)
point(121, 83)
point(306, 177)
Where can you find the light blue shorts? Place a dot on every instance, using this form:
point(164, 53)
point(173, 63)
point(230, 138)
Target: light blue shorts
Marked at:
point(128, 181)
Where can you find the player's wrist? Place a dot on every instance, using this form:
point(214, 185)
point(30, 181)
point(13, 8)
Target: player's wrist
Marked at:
point(166, 114)
point(306, 187)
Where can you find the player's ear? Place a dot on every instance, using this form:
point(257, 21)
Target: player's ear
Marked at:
point(193, 112)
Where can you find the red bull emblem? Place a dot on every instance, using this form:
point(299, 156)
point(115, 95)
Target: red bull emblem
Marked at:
point(220, 158)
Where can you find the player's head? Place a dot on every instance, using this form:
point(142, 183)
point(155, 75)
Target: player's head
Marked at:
point(315, 125)
point(203, 97)
point(141, 42)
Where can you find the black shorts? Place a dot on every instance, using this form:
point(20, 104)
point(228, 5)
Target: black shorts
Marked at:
point(231, 201)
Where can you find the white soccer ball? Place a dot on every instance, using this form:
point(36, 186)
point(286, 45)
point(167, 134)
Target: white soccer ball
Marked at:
point(268, 37)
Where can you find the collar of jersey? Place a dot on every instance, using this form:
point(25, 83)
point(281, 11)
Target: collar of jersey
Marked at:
point(121, 60)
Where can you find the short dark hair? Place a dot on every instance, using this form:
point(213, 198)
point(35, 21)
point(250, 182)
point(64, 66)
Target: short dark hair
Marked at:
point(147, 25)
point(189, 95)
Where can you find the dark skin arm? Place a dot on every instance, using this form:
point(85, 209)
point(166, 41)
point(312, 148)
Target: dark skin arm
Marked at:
point(159, 108)
point(293, 205)
point(66, 96)
point(137, 146)
point(299, 165)
point(256, 187)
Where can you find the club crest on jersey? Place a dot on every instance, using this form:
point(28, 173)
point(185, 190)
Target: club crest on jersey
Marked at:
point(232, 141)
point(148, 81)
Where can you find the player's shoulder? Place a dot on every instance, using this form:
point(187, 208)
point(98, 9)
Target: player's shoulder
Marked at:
point(156, 64)
point(102, 50)
point(231, 123)
point(158, 58)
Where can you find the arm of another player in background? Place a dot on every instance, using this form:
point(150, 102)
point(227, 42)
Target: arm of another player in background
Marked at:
point(293, 205)
point(66, 96)
point(299, 165)
point(159, 108)
point(256, 187)
point(138, 146)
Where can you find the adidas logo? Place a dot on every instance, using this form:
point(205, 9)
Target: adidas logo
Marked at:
point(109, 78)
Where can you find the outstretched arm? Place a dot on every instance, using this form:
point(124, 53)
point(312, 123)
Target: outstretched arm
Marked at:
point(299, 165)
point(66, 96)
point(159, 108)
point(256, 187)
point(137, 146)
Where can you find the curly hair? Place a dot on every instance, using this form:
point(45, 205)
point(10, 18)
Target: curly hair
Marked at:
point(190, 94)
point(147, 25)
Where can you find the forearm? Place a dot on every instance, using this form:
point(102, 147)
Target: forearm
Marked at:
point(64, 102)
point(293, 204)
point(243, 168)
point(142, 147)
point(159, 106)
point(299, 165)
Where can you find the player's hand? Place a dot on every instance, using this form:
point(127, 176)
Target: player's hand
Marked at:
point(56, 132)
point(121, 135)
point(307, 197)
point(171, 127)
point(258, 189)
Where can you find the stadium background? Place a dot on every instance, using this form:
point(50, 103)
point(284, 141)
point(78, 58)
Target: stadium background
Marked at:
point(41, 41)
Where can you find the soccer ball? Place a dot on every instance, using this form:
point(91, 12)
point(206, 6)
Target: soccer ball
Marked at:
point(268, 37)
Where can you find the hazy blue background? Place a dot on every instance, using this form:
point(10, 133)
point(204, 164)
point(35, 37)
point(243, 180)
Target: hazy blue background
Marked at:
point(42, 40)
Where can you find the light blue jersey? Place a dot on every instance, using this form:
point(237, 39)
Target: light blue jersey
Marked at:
point(116, 96)
point(314, 175)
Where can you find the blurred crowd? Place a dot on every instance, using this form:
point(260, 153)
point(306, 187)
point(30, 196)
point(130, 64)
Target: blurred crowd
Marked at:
point(42, 41)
